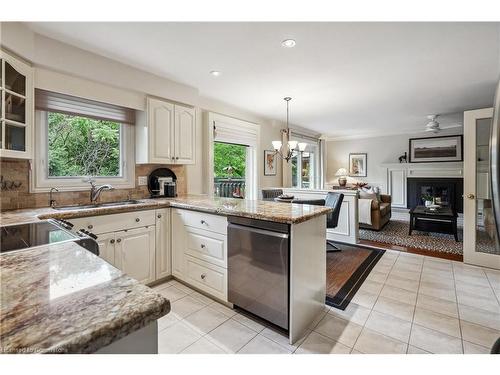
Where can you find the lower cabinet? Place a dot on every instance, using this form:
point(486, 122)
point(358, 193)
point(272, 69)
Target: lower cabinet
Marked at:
point(162, 239)
point(135, 253)
point(199, 251)
point(106, 244)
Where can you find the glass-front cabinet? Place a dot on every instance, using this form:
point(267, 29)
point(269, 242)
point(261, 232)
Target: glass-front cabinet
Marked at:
point(16, 107)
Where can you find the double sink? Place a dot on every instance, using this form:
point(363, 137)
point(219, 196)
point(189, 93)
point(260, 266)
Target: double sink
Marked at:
point(97, 205)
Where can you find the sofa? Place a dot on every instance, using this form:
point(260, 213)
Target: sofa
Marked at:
point(380, 213)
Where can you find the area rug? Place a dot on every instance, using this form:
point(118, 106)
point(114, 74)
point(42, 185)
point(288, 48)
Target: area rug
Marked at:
point(396, 233)
point(346, 270)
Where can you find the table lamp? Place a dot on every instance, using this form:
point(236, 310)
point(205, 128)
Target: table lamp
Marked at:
point(342, 174)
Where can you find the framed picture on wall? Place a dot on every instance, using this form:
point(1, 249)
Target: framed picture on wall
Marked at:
point(358, 165)
point(269, 163)
point(436, 149)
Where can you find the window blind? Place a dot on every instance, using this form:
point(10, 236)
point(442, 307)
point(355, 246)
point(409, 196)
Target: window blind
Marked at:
point(231, 133)
point(73, 105)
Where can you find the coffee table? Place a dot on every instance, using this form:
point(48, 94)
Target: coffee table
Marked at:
point(442, 220)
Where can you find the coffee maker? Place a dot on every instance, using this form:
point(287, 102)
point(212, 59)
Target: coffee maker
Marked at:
point(162, 182)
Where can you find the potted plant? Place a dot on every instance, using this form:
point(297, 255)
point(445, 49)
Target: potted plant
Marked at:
point(428, 199)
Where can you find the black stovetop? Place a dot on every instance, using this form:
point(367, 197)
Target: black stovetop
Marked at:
point(22, 236)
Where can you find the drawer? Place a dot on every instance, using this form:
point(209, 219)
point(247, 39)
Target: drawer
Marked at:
point(201, 220)
point(207, 246)
point(115, 222)
point(207, 277)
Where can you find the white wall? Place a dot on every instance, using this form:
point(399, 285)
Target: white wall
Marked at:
point(68, 69)
point(380, 150)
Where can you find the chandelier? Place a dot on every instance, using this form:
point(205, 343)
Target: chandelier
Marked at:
point(286, 150)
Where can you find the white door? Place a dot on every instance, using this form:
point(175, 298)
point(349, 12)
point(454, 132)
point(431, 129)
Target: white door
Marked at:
point(163, 254)
point(135, 253)
point(179, 244)
point(184, 135)
point(161, 128)
point(106, 244)
point(480, 246)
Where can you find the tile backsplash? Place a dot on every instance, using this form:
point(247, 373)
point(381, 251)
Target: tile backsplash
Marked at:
point(15, 187)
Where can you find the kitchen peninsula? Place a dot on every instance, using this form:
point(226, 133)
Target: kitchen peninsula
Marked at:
point(83, 286)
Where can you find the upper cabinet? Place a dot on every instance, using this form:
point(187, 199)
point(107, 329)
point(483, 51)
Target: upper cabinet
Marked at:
point(165, 134)
point(16, 107)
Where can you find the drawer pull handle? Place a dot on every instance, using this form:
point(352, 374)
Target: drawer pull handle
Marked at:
point(203, 275)
point(202, 246)
point(203, 222)
point(159, 216)
point(137, 219)
point(112, 241)
point(90, 226)
point(119, 240)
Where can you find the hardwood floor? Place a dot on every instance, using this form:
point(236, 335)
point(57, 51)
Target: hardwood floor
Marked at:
point(414, 250)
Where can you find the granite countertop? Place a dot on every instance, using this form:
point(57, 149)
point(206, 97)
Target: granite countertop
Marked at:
point(61, 298)
point(255, 209)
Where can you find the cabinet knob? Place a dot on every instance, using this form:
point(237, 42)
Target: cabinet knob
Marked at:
point(203, 222)
point(470, 196)
point(137, 219)
point(159, 216)
point(203, 275)
point(202, 246)
point(112, 241)
point(90, 226)
point(119, 240)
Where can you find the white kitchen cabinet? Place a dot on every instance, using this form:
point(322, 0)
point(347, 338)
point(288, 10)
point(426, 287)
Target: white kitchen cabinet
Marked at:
point(135, 253)
point(184, 135)
point(179, 244)
point(165, 133)
point(16, 108)
point(106, 244)
point(162, 240)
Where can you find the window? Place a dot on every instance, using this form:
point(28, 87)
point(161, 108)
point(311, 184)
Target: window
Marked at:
point(232, 161)
point(230, 166)
point(305, 165)
point(76, 138)
point(81, 146)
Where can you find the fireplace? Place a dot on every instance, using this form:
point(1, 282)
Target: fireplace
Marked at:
point(447, 191)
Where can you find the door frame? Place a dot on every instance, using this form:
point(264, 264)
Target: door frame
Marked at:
point(472, 256)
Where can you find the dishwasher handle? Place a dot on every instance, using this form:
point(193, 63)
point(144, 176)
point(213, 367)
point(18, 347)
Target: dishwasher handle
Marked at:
point(257, 230)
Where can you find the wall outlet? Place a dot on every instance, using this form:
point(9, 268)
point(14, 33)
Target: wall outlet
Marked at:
point(143, 180)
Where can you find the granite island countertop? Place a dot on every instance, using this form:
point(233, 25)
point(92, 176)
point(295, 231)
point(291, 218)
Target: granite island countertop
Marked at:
point(255, 209)
point(61, 298)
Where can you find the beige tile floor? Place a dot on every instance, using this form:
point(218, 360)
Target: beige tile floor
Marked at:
point(408, 304)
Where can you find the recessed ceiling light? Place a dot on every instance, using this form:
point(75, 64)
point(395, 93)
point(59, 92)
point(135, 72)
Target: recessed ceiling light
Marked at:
point(288, 43)
point(215, 73)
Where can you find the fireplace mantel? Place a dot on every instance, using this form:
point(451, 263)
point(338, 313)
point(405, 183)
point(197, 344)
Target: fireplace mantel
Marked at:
point(398, 173)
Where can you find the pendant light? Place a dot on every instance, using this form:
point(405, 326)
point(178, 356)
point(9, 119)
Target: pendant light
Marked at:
point(286, 150)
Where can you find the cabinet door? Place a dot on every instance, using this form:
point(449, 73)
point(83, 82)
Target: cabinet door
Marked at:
point(16, 107)
point(135, 253)
point(106, 244)
point(184, 135)
point(161, 128)
point(179, 244)
point(163, 254)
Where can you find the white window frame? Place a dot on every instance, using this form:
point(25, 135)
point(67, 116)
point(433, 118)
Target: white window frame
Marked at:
point(238, 132)
point(40, 181)
point(316, 180)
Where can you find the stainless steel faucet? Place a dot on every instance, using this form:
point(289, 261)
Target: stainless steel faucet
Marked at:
point(95, 191)
point(52, 202)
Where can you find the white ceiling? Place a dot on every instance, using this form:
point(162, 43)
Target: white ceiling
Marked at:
point(345, 78)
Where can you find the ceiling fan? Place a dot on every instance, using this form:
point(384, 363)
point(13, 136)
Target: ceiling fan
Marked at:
point(434, 126)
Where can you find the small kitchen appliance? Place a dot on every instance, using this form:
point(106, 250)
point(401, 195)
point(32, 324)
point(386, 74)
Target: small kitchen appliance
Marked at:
point(162, 182)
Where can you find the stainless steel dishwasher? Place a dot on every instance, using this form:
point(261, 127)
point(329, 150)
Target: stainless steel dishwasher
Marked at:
point(258, 268)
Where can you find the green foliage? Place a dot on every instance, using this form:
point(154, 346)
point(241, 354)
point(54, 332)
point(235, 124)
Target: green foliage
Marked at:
point(229, 158)
point(80, 146)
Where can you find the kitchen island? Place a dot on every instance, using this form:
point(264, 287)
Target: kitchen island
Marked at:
point(60, 298)
point(307, 259)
